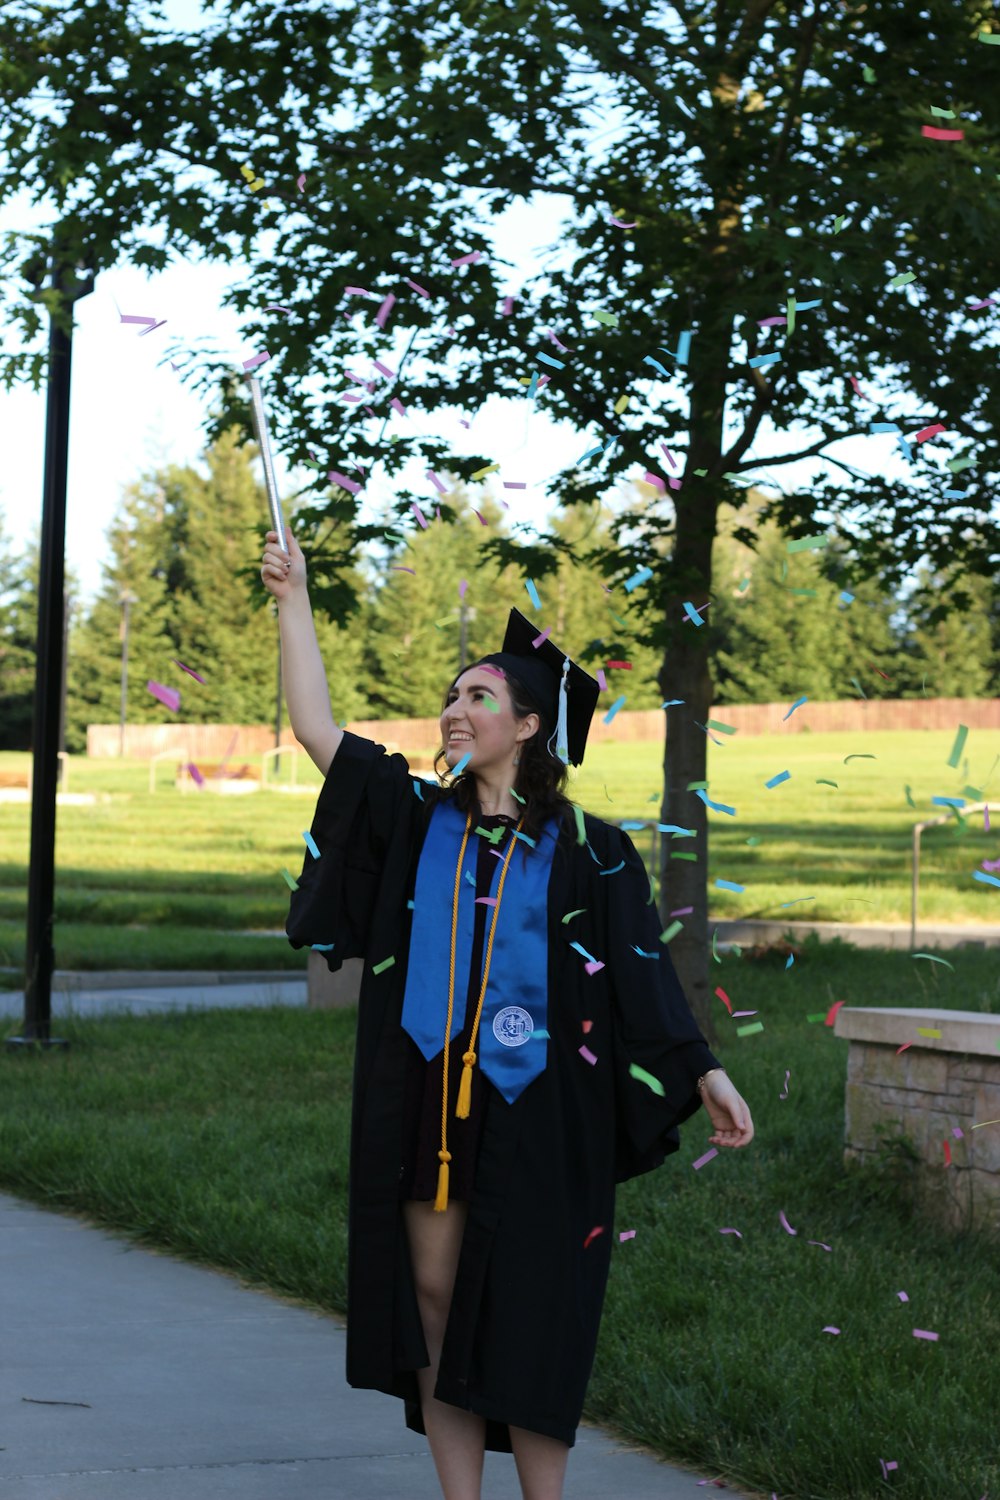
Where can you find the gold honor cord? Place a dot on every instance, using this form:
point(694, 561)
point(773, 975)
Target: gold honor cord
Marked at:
point(469, 1057)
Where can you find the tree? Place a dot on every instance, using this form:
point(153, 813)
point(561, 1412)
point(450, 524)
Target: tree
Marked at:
point(771, 161)
point(18, 606)
point(952, 651)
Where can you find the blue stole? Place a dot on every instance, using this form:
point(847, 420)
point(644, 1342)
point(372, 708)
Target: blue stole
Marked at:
point(513, 1029)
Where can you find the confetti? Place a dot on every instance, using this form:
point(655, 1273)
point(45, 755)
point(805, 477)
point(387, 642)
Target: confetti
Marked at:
point(189, 670)
point(830, 1329)
point(820, 1245)
point(935, 133)
point(725, 999)
point(738, 1233)
point(959, 745)
point(609, 320)
point(777, 780)
point(703, 1160)
point(532, 594)
point(902, 1297)
point(256, 360)
point(343, 482)
point(722, 807)
point(713, 723)
point(625, 1234)
point(750, 1030)
point(594, 967)
point(621, 224)
point(386, 963)
point(692, 613)
point(934, 959)
point(807, 543)
point(460, 766)
point(614, 709)
point(925, 1333)
point(323, 947)
point(859, 755)
point(168, 696)
point(642, 576)
point(986, 879)
point(831, 1014)
point(311, 844)
point(729, 885)
point(784, 1093)
point(289, 879)
point(903, 279)
point(785, 1224)
point(928, 1031)
point(598, 1229)
point(928, 432)
point(797, 704)
point(647, 1078)
point(199, 780)
point(587, 1055)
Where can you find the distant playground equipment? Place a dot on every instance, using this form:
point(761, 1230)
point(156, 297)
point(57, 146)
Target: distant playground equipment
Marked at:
point(961, 814)
point(215, 776)
point(269, 765)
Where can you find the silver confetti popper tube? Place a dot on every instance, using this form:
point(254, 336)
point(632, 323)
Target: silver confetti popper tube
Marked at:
point(259, 416)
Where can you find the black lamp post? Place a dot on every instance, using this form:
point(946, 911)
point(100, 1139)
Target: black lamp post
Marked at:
point(69, 286)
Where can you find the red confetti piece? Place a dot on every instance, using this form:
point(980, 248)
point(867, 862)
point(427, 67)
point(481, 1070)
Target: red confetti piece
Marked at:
point(935, 133)
point(622, 666)
point(587, 1027)
point(724, 998)
point(903, 1047)
point(831, 1014)
point(947, 1154)
point(929, 432)
point(599, 1229)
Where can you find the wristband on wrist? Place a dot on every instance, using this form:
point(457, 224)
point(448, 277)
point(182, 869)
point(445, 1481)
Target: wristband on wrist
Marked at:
point(700, 1085)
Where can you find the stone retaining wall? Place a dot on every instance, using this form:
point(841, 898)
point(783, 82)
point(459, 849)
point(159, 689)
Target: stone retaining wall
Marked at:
point(938, 1095)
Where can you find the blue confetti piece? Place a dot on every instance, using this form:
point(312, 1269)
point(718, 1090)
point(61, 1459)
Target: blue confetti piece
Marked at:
point(639, 577)
point(582, 950)
point(526, 840)
point(683, 347)
point(777, 780)
point(845, 597)
point(311, 845)
point(790, 960)
point(884, 427)
point(808, 306)
point(619, 866)
point(532, 386)
point(986, 879)
point(671, 702)
point(692, 613)
point(591, 453)
point(418, 790)
point(631, 827)
point(532, 594)
point(716, 806)
point(730, 885)
point(947, 801)
point(904, 445)
point(684, 833)
point(799, 701)
point(470, 877)
point(642, 952)
point(550, 359)
point(760, 360)
point(322, 947)
point(614, 709)
point(460, 765)
point(954, 494)
point(649, 360)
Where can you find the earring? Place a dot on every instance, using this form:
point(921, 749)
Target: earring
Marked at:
point(517, 757)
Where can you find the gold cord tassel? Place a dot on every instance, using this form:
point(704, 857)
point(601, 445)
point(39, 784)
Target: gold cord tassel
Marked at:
point(465, 1087)
point(441, 1201)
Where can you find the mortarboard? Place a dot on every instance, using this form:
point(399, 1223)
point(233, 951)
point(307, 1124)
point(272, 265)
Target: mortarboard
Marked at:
point(564, 692)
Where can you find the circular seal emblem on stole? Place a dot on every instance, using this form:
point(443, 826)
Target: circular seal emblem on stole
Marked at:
point(512, 1026)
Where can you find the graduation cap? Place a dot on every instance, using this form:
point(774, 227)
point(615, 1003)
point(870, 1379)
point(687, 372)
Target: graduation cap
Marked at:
point(564, 692)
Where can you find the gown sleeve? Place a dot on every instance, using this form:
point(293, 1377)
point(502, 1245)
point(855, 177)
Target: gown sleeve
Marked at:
point(653, 1026)
point(364, 807)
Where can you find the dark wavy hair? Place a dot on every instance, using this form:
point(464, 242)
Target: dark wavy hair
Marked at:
point(541, 777)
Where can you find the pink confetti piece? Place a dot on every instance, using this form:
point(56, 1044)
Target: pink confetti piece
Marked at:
point(350, 485)
point(514, 484)
point(935, 133)
point(135, 318)
point(820, 1245)
point(595, 967)
point(621, 223)
point(858, 391)
point(420, 290)
point(490, 901)
point(356, 291)
point(398, 568)
point(602, 681)
point(385, 308)
point(469, 259)
point(703, 1160)
point(903, 1047)
point(654, 480)
point(195, 774)
point(495, 671)
point(541, 639)
point(682, 911)
point(929, 432)
point(888, 1464)
point(463, 584)
point(771, 322)
point(435, 481)
point(384, 369)
point(830, 1329)
point(738, 1233)
point(152, 328)
point(785, 1224)
point(300, 181)
point(508, 306)
point(626, 1234)
point(482, 519)
point(976, 306)
point(168, 696)
point(902, 1297)
point(592, 1236)
point(398, 406)
point(189, 670)
point(925, 1333)
point(256, 361)
point(421, 518)
point(958, 1132)
point(587, 1055)
point(737, 1013)
point(276, 307)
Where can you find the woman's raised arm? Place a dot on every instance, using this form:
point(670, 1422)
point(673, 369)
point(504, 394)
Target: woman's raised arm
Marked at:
point(303, 676)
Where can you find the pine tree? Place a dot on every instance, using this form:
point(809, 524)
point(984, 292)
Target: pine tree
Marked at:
point(952, 653)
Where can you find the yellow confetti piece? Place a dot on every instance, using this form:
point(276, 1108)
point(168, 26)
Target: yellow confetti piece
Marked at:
point(928, 1031)
point(620, 405)
point(489, 469)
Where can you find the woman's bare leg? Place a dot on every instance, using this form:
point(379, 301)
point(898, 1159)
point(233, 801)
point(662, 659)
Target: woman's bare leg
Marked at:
point(541, 1464)
point(457, 1438)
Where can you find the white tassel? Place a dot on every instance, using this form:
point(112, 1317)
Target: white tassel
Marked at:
point(562, 740)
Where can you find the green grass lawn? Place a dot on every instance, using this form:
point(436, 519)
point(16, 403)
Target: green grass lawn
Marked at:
point(223, 1136)
point(183, 881)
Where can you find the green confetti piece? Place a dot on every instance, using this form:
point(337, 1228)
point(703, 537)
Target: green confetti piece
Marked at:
point(702, 472)
point(909, 797)
point(722, 728)
point(749, 1030)
point(571, 914)
point(859, 755)
point(942, 114)
point(754, 841)
point(386, 963)
point(993, 38)
point(647, 1079)
point(956, 465)
point(903, 279)
point(819, 1015)
point(972, 792)
point(807, 543)
point(803, 593)
point(839, 223)
point(581, 831)
point(516, 796)
point(676, 854)
point(934, 959)
point(610, 320)
point(823, 781)
point(669, 933)
point(868, 73)
point(958, 746)
point(697, 786)
point(290, 880)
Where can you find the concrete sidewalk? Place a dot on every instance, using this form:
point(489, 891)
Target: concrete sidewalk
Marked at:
point(128, 1375)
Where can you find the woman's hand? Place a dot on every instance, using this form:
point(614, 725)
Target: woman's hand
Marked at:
point(283, 573)
point(727, 1111)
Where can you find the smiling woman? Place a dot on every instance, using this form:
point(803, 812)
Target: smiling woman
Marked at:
point(511, 1068)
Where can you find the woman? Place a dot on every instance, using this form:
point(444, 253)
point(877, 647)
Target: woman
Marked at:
point(523, 1045)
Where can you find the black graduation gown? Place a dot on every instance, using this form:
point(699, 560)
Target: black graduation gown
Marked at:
point(530, 1284)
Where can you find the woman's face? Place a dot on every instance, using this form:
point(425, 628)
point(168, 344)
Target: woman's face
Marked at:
point(477, 720)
